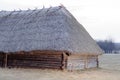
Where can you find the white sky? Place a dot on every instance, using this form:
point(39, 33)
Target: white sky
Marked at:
point(101, 18)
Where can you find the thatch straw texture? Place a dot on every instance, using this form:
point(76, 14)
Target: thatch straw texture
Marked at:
point(44, 29)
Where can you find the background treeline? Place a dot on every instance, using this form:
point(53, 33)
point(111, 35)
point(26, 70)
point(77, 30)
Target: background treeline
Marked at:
point(109, 46)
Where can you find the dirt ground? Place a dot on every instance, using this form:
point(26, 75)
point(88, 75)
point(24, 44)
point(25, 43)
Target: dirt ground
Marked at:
point(109, 70)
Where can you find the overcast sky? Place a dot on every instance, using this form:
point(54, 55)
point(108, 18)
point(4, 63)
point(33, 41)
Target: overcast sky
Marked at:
point(101, 18)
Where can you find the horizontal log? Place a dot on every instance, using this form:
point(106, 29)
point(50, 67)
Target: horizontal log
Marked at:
point(52, 65)
point(39, 62)
point(37, 54)
point(27, 63)
point(1, 56)
point(35, 64)
point(16, 57)
point(41, 67)
point(34, 57)
point(0, 62)
point(41, 59)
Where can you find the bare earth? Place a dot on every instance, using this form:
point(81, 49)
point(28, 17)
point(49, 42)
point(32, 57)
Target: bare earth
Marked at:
point(109, 70)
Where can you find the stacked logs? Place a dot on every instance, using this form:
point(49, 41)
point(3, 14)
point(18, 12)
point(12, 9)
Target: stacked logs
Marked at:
point(35, 59)
point(2, 55)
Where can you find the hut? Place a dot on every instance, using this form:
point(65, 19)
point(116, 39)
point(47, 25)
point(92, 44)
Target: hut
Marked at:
point(46, 38)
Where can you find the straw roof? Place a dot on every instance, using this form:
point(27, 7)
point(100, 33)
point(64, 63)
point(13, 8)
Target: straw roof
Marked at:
point(51, 28)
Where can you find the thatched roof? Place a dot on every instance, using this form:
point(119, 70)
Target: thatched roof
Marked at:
point(44, 29)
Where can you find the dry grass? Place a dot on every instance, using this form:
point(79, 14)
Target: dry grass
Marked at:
point(110, 61)
point(109, 70)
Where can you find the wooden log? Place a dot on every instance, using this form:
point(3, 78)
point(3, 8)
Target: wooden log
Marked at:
point(41, 59)
point(2, 54)
point(85, 61)
point(36, 57)
point(5, 61)
point(36, 61)
point(64, 58)
point(55, 59)
point(24, 66)
point(32, 62)
point(97, 62)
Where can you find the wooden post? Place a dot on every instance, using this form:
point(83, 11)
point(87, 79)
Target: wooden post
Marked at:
point(5, 60)
point(86, 62)
point(97, 62)
point(63, 61)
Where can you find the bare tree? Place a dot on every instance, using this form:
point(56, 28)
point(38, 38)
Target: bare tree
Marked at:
point(107, 45)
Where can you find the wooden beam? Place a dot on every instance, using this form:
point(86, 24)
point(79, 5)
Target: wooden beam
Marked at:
point(64, 57)
point(97, 62)
point(5, 60)
point(86, 62)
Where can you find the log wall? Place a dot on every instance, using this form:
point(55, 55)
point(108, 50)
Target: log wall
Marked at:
point(2, 55)
point(77, 62)
point(48, 59)
point(92, 61)
point(36, 59)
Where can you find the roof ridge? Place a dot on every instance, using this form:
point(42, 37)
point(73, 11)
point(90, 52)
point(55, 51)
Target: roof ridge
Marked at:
point(61, 6)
